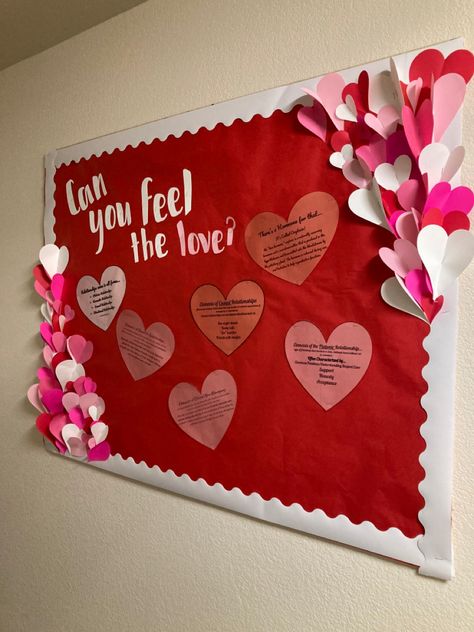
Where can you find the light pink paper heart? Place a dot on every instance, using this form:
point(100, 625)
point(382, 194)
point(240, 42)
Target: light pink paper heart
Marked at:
point(448, 96)
point(403, 258)
point(101, 301)
point(34, 397)
point(143, 351)
point(406, 227)
point(419, 128)
point(329, 94)
point(79, 348)
point(385, 122)
point(330, 370)
point(205, 416)
point(59, 341)
point(314, 119)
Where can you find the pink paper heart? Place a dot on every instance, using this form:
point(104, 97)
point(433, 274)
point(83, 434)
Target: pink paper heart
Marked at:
point(419, 128)
point(403, 258)
point(446, 199)
point(33, 395)
point(48, 354)
point(373, 154)
point(329, 94)
point(143, 351)
point(100, 452)
point(70, 400)
point(76, 447)
point(56, 425)
point(410, 195)
point(418, 284)
point(413, 92)
point(88, 400)
point(356, 174)
point(407, 227)
point(79, 348)
point(59, 341)
point(69, 313)
point(313, 118)
point(41, 290)
point(46, 332)
point(385, 122)
point(330, 370)
point(57, 286)
point(76, 416)
point(84, 385)
point(448, 96)
point(52, 400)
point(205, 415)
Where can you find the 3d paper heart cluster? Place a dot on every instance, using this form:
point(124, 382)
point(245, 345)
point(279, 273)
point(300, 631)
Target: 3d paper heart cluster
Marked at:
point(387, 135)
point(70, 409)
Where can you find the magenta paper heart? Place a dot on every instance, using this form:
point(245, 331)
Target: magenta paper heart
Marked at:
point(143, 351)
point(448, 96)
point(56, 425)
point(57, 286)
point(46, 332)
point(205, 416)
point(79, 348)
point(403, 258)
point(100, 452)
point(77, 418)
point(101, 301)
point(313, 118)
point(419, 128)
point(52, 400)
point(373, 154)
point(330, 370)
point(84, 385)
point(446, 199)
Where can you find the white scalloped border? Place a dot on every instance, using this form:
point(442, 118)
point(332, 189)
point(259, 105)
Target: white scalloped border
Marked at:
point(432, 552)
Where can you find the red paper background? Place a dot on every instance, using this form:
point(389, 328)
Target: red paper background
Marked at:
point(360, 458)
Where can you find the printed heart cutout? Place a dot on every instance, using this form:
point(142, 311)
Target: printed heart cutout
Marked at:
point(143, 351)
point(205, 415)
point(228, 322)
point(101, 301)
point(330, 370)
point(290, 249)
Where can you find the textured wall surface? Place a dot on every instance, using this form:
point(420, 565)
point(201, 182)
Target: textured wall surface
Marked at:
point(82, 550)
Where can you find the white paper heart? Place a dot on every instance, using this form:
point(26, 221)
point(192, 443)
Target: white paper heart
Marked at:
point(439, 163)
point(395, 77)
point(69, 371)
point(100, 301)
point(390, 177)
point(47, 312)
point(367, 204)
point(99, 431)
point(347, 111)
point(382, 92)
point(339, 158)
point(444, 257)
point(53, 259)
point(96, 411)
point(73, 438)
point(397, 297)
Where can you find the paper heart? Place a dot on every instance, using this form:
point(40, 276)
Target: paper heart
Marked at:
point(446, 199)
point(101, 301)
point(33, 395)
point(367, 204)
point(52, 400)
point(96, 411)
point(444, 256)
point(419, 128)
point(100, 452)
point(79, 348)
point(403, 258)
point(99, 431)
point(57, 424)
point(429, 65)
point(397, 297)
point(373, 154)
point(406, 227)
point(57, 286)
point(357, 173)
point(411, 195)
point(385, 122)
point(47, 312)
point(73, 438)
point(339, 158)
point(448, 96)
point(383, 93)
point(391, 177)
point(314, 119)
point(414, 91)
point(205, 415)
point(330, 370)
point(438, 163)
point(88, 400)
point(228, 322)
point(328, 93)
point(454, 220)
point(58, 340)
point(46, 332)
point(70, 401)
point(143, 351)
point(68, 371)
point(53, 259)
point(39, 273)
point(275, 245)
point(347, 111)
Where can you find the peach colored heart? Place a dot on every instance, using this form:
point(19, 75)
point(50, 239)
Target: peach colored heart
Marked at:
point(330, 370)
point(291, 248)
point(228, 322)
point(205, 416)
point(101, 301)
point(144, 351)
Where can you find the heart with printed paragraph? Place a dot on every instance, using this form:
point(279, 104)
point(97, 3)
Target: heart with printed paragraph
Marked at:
point(328, 370)
point(205, 415)
point(228, 321)
point(268, 235)
point(100, 301)
point(144, 351)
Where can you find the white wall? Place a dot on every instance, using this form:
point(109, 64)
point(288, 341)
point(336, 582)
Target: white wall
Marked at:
point(81, 550)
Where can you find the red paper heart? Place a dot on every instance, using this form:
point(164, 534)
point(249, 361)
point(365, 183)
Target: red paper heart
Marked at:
point(290, 249)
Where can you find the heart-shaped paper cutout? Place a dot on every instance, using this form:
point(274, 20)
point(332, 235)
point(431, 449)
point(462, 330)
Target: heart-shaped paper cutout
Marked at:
point(391, 177)
point(206, 415)
point(68, 371)
point(54, 259)
point(143, 351)
point(228, 322)
point(290, 249)
point(79, 348)
point(101, 301)
point(330, 370)
point(395, 294)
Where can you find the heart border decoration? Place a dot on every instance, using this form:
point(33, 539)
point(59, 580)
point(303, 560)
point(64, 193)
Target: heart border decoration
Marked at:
point(386, 135)
point(70, 409)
